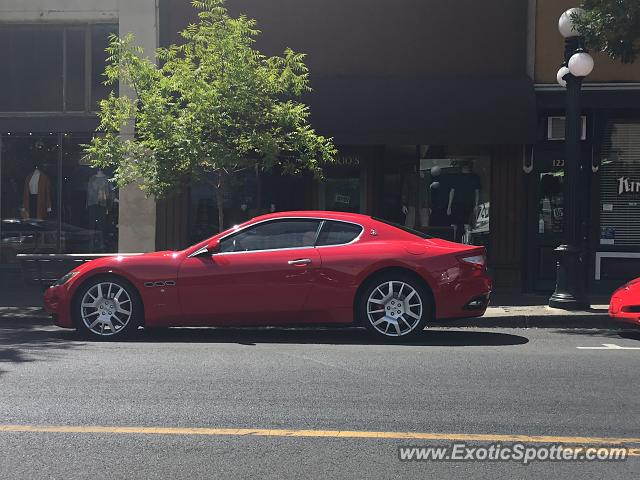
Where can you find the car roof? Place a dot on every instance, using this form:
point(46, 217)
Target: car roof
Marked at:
point(320, 214)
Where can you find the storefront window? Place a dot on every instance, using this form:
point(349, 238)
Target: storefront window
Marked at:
point(398, 200)
point(75, 65)
point(32, 61)
point(45, 67)
point(240, 194)
point(89, 206)
point(99, 42)
point(620, 184)
point(340, 190)
point(50, 201)
point(29, 171)
point(458, 196)
point(247, 193)
point(438, 191)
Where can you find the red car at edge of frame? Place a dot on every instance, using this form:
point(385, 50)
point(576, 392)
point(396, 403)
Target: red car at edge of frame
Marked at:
point(308, 267)
point(625, 303)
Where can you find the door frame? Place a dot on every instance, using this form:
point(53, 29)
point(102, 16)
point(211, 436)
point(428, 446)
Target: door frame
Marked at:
point(542, 158)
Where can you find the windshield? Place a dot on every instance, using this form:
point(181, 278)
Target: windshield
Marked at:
point(403, 228)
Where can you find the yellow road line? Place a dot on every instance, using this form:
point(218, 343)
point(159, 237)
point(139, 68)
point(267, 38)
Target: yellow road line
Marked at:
point(259, 432)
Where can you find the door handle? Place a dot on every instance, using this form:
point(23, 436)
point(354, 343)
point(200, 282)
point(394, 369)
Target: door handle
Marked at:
point(300, 262)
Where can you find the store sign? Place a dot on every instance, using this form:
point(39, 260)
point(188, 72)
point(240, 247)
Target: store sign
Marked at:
point(482, 218)
point(625, 185)
point(607, 236)
point(342, 199)
point(348, 160)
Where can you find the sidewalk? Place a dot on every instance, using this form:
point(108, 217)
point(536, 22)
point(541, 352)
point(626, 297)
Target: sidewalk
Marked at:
point(532, 311)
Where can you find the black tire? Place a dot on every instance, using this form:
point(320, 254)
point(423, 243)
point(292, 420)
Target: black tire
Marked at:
point(111, 307)
point(402, 321)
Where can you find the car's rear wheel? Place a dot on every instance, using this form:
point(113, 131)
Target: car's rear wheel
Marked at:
point(394, 306)
point(107, 307)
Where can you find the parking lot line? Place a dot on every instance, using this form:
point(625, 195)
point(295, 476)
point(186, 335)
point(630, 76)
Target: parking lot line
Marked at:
point(609, 346)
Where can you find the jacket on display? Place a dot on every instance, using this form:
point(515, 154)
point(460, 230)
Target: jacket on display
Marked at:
point(44, 195)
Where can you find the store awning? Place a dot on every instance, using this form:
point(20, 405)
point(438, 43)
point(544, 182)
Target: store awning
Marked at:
point(592, 96)
point(376, 111)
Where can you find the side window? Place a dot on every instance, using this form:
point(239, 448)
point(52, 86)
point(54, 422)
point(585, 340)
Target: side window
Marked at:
point(273, 235)
point(338, 233)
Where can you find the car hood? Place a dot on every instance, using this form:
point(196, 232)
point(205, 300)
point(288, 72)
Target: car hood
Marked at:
point(125, 260)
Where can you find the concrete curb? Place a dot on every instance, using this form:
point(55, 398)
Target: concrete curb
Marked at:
point(573, 320)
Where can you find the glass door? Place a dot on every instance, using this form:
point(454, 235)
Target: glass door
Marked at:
point(546, 218)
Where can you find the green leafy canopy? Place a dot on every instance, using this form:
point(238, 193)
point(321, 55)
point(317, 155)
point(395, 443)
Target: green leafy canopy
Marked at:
point(212, 104)
point(612, 27)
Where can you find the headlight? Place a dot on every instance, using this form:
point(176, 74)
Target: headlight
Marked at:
point(65, 278)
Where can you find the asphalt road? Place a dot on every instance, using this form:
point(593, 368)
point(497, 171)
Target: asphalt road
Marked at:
point(448, 383)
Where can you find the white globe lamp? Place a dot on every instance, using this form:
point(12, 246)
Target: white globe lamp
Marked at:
point(564, 71)
point(565, 24)
point(581, 64)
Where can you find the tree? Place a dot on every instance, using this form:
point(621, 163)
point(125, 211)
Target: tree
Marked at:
point(213, 104)
point(612, 27)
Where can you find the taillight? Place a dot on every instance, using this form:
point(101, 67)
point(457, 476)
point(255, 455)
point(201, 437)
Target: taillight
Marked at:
point(475, 260)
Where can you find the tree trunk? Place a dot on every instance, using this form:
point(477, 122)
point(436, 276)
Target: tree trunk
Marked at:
point(220, 201)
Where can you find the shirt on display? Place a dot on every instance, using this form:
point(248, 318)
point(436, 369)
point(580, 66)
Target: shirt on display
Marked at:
point(99, 190)
point(33, 183)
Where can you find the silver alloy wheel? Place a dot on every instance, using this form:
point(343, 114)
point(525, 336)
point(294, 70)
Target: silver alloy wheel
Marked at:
point(394, 308)
point(106, 308)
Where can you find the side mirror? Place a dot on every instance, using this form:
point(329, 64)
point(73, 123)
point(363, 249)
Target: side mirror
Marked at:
point(213, 246)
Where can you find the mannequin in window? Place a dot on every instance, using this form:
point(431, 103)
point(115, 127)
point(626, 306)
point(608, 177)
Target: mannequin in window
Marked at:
point(440, 198)
point(99, 200)
point(36, 199)
point(239, 214)
point(463, 198)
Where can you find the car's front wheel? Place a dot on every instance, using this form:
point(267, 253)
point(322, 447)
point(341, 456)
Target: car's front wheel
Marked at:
point(107, 307)
point(394, 306)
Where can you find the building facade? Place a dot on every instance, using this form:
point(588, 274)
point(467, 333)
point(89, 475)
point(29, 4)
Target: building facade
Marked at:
point(51, 200)
point(422, 102)
point(446, 116)
point(611, 161)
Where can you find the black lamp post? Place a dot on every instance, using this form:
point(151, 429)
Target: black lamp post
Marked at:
point(571, 271)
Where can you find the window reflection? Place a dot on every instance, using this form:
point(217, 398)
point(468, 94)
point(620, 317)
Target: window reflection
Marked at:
point(32, 61)
point(89, 201)
point(550, 210)
point(99, 42)
point(273, 235)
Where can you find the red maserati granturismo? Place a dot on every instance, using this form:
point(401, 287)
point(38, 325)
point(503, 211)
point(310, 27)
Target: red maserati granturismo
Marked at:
point(625, 303)
point(311, 267)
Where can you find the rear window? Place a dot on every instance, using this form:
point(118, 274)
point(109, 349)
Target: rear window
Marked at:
point(403, 228)
point(338, 233)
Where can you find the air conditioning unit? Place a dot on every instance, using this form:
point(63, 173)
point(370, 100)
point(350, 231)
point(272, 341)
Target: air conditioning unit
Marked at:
point(556, 127)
